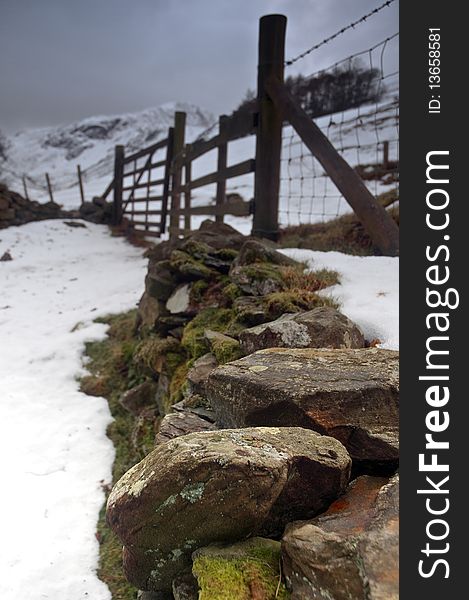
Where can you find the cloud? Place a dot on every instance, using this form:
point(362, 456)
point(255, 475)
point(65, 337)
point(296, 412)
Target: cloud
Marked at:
point(63, 60)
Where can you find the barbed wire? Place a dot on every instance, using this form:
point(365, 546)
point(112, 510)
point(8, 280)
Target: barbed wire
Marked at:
point(337, 33)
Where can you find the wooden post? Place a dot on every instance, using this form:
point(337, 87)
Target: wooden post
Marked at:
point(25, 188)
point(178, 147)
point(167, 179)
point(49, 187)
point(269, 132)
point(118, 184)
point(378, 223)
point(386, 155)
point(221, 165)
point(187, 194)
point(80, 183)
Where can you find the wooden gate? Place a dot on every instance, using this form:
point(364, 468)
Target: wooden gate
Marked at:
point(142, 186)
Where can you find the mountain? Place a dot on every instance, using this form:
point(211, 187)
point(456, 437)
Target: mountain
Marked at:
point(89, 142)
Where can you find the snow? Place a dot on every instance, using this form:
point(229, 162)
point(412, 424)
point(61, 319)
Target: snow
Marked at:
point(368, 292)
point(56, 456)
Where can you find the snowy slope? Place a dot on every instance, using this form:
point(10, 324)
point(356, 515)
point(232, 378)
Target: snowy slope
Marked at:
point(90, 143)
point(56, 455)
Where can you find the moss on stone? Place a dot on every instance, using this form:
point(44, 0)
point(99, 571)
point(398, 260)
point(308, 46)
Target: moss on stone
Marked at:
point(228, 254)
point(222, 320)
point(226, 350)
point(257, 575)
point(178, 384)
point(188, 266)
point(231, 291)
point(292, 301)
point(157, 354)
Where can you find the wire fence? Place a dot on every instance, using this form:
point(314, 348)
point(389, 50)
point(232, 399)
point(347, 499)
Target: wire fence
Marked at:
point(367, 136)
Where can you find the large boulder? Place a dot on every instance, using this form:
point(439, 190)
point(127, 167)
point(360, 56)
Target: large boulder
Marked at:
point(351, 394)
point(351, 550)
point(220, 486)
point(322, 327)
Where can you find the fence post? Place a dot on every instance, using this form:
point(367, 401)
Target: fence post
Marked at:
point(80, 183)
point(49, 187)
point(25, 188)
point(221, 165)
point(386, 155)
point(271, 60)
point(118, 185)
point(178, 146)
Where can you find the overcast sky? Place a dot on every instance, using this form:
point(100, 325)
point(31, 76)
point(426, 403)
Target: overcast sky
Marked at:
point(62, 60)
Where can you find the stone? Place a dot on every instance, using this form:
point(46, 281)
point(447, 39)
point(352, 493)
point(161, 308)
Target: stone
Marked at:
point(7, 214)
point(188, 268)
point(224, 347)
point(254, 251)
point(250, 310)
point(219, 486)
point(181, 423)
point(197, 404)
point(159, 282)
point(351, 550)
point(140, 398)
point(258, 279)
point(149, 310)
point(6, 256)
point(184, 587)
point(179, 301)
point(218, 235)
point(349, 394)
point(76, 224)
point(322, 327)
point(199, 372)
point(141, 595)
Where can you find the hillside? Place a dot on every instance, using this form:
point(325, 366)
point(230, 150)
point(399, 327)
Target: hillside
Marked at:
point(90, 143)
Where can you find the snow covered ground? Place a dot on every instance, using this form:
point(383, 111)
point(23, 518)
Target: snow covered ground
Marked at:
point(55, 454)
point(52, 437)
point(368, 292)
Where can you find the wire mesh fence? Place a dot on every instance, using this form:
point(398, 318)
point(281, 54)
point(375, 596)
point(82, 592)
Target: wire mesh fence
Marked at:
point(366, 134)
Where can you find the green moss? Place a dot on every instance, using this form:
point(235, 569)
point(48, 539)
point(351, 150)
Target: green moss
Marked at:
point(157, 354)
point(226, 350)
point(255, 576)
point(231, 291)
point(188, 266)
point(198, 289)
point(216, 319)
point(227, 254)
point(279, 303)
point(178, 384)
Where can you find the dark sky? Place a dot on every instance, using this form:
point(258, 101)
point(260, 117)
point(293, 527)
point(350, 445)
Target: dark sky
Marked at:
point(61, 60)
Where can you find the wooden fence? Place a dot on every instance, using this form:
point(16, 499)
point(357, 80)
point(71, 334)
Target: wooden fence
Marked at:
point(137, 201)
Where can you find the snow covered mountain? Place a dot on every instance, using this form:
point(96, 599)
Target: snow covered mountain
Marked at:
point(90, 143)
